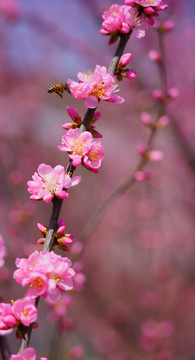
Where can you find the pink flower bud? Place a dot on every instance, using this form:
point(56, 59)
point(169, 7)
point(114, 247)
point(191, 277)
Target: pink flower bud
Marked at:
point(168, 25)
point(124, 60)
point(41, 241)
point(68, 126)
point(158, 94)
point(131, 74)
point(42, 228)
point(139, 176)
point(155, 155)
point(76, 351)
point(141, 149)
point(79, 280)
point(173, 92)
point(162, 122)
point(146, 119)
point(96, 116)
point(149, 10)
point(60, 230)
point(154, 55)
point(73, 113)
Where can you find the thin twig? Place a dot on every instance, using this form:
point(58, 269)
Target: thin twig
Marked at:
point(130, 181)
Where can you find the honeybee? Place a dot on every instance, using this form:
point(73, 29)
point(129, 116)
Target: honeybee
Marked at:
point(59, 88)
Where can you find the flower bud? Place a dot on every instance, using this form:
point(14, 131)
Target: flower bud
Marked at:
point(124, 60)
point(167, 25)
point(146, 119)
point(154, 55)
point(131, 74)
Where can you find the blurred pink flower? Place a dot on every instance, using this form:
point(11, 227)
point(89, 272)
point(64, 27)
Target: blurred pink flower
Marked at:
point(28, 354)
point(152, 333)
point(76, 352)
point(155, 56)
point(48, 182)
point(47, 274)
point(95, 86)
point(3, 251)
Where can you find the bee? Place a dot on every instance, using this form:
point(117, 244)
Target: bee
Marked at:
point(59, 88)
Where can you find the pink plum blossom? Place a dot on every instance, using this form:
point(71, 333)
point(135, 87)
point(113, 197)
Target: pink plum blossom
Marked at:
point(25, 310)
point(95, 86)
point(21, 311)
point(48, 182)
point(47, 274)
point(77, 144)
point(28, 354)
point(122, 19)
point(116, 19)
point(147, 8)
point(82, 149)
point(94, 157)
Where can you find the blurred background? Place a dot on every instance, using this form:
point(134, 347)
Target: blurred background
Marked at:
point(138, 301)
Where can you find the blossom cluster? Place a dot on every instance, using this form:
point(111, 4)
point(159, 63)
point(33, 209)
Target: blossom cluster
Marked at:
point(82, 149)
point(47, 273)
point(134, 15)
point(28, 354)
point(62, 239)
point(22, 311)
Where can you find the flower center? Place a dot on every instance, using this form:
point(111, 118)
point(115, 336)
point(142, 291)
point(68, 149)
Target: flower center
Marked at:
point(113, 12)
point(99, 90)
point(77, 146)
point(50, 183)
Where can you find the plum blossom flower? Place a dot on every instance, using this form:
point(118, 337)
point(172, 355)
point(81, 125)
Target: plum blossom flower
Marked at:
point(147, 8)
point(82, 149)
point(95, 86)
point(28, 354)
point(48, 182)
point(122, 19)
point(21, 311)
point(116, 19)
point(93, 159)
point(47, 274)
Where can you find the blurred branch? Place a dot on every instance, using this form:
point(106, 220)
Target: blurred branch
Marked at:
point(4, 347)
point(130, 181)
